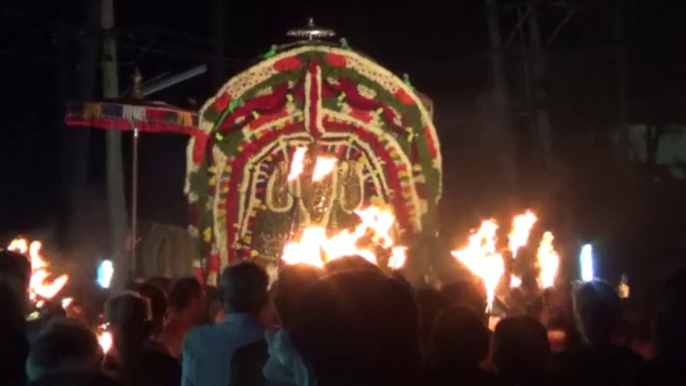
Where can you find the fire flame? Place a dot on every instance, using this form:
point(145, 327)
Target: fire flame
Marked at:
point(521, 229)
point(297, 164)
point(40, 286)
point(105, 340)
point(481, 257)
point(316, 248)
point(323, 167)
point(519, 237)
point(398, 257)
point(548, 261)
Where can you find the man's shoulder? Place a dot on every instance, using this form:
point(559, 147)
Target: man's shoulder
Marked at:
point(200, 334)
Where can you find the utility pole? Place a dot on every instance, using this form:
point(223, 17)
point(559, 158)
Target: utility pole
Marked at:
point(540, 114)
point(115, 173)
point(76, 143)
point(501, 125)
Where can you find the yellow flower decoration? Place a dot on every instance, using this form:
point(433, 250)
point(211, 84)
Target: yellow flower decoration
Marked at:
point(207, 234)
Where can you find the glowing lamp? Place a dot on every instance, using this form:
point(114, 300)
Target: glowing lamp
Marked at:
point(105, 273)
point(586, 261)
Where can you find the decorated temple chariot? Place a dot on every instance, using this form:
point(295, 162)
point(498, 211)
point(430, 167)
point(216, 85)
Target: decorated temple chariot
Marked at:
point(298, 150)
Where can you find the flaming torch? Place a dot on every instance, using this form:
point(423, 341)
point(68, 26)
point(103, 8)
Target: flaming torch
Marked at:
point(481, 257)
point(41, 288)
point(519, 237)
point(548, 261)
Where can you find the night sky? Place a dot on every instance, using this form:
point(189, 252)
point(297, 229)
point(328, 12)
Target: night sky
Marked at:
point(443, 45)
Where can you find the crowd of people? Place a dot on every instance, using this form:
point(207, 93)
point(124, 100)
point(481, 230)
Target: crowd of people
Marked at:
point(349, 324)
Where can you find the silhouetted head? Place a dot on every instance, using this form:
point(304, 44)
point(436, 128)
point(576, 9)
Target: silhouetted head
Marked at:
point(291, 287)
point(350, 263)
point(521, 348)
point(63, 346)
point(598, 311)
point(129, 316)
point(163, 283)
point(158, 304)
point(466, 293)
point(15, 273)
point(14, 347)
point(671, 319)
point(430, 303)
point(359, 327)
point(459, 339)
point(244, 288)
point(188, 297)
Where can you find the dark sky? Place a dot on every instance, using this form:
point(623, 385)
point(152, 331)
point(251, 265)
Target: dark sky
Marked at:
point(443, 45)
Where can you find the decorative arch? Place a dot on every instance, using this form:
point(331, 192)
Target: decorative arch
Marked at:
point(345, 104)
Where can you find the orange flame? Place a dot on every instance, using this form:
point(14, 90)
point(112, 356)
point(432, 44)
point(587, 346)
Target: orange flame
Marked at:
point(315, 247)
point(398, 257)
point(297, 164)
point(39, 285)
point(521, 229)
point(323, 167)
point(105, 340)
point(481, 257)
point(515, 281)
point(548, 261)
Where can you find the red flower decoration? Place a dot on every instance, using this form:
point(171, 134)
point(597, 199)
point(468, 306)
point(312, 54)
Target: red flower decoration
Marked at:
point(213, 263)
point(288, 64)
point(199, 147)
point(221, 103)
point(364, 116)
point(433, 150)
point(404, 97)
point(335, 60)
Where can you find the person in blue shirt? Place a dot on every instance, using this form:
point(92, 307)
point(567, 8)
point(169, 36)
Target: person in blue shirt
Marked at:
point(285, 366)
point(210, 351)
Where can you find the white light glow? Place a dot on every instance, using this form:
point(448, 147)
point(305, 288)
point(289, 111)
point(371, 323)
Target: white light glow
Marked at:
point(105, 273)
point(586, 261)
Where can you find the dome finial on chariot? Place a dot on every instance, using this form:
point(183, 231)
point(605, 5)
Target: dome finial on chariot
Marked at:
point(311, 31)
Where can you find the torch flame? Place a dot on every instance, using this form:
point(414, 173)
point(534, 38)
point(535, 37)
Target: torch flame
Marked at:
point(19, 245)
point(315, 247)
point(398, 257)
point(521, 228)
point(297, 164)
point(548, 261)
point(480, 257)
point(515, 281)
point(105, 341)
point(39, 284)
point(323, 167)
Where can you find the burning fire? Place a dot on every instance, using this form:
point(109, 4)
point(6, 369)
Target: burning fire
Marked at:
point(481, 257)
point(519, 237)
point(398, 257)
point(105, 339)
point(297, 164)
point(316, 248)
point(323, 167)
point(521, 228)
point(40, 285)
point(548, 261)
